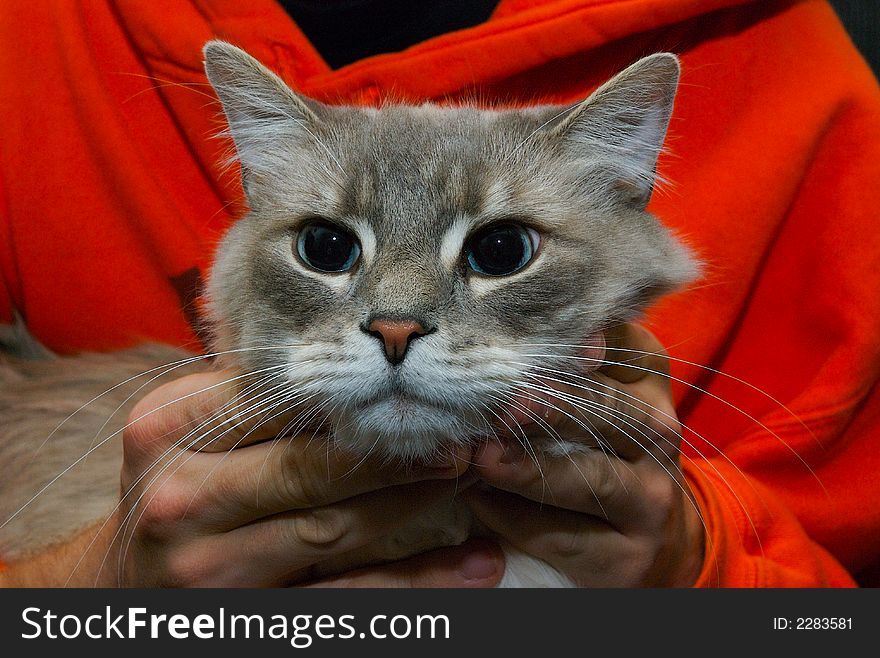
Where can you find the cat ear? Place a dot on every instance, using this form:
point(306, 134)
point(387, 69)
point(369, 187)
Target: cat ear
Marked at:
point(620, 128)
point(262, 111)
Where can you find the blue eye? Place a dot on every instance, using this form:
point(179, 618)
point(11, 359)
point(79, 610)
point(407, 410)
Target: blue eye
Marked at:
point(327, 248)
point(501, 249)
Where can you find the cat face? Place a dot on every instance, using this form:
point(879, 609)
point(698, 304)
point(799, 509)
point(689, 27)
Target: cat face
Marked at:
point(411, 266)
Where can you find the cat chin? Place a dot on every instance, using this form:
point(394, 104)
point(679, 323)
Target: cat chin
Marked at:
point(404, 428)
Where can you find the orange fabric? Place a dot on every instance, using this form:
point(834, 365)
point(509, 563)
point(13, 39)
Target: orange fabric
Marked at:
point(111, 202)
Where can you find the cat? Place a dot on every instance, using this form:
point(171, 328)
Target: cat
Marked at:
point(416, 259)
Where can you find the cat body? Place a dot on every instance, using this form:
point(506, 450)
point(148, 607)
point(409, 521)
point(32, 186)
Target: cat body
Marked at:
point(407, 269)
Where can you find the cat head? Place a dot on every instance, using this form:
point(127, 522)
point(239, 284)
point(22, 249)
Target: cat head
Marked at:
point(405, 271)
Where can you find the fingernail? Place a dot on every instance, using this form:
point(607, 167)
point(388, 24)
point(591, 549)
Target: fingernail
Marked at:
point(478, 565)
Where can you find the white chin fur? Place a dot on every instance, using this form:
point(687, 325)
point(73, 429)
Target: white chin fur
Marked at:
point(403, 428)
point(523, 570)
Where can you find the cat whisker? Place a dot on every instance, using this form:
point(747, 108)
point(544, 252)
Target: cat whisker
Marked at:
point(165, 369)
point(146, 472)
point(727, 403)
point(519, 146)
point(523, 441)
point(209, 419)
point(597, 408)
point(635, 405)
point(188, 86)
point(118, 432)
point(176, 446)
point(521, 437)
point(489, 429)
point(692, 364)
point(582, 423)
point(241, 418)
point(261, 422)
point(514, 403)
point(365, 456)
point(291, 430)
point(561, 442)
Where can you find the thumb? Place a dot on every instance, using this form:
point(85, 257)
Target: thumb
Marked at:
point(476, 563)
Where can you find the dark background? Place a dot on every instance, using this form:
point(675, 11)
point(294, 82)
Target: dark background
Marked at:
point(862, 20)
point(344, 32)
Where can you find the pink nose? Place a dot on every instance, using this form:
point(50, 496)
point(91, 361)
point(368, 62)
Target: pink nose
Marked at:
point(396, 336)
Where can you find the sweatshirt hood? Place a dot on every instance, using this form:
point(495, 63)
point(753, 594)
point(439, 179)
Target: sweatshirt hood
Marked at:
point(537, 31)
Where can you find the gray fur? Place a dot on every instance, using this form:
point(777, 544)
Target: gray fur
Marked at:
point(410, 183)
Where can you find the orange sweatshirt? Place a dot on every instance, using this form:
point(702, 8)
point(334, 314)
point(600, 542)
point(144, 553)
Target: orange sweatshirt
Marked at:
point(111, 202)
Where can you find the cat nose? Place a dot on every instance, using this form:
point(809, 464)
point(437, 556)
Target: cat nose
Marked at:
point(396, 335)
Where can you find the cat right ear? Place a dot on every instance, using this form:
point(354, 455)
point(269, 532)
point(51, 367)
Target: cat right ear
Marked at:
point(262, 111)
point(618, 132)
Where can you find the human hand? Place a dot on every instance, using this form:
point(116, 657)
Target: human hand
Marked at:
point(620, 515)
point(244, 511)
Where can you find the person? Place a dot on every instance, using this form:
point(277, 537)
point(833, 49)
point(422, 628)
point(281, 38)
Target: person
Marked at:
point(113, 201)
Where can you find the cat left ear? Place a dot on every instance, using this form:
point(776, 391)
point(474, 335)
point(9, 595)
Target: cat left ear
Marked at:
point(262, 111)
point(620, 128)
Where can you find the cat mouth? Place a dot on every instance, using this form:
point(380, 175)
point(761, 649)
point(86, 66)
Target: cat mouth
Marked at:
point(399, 400)
point(400, 425)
